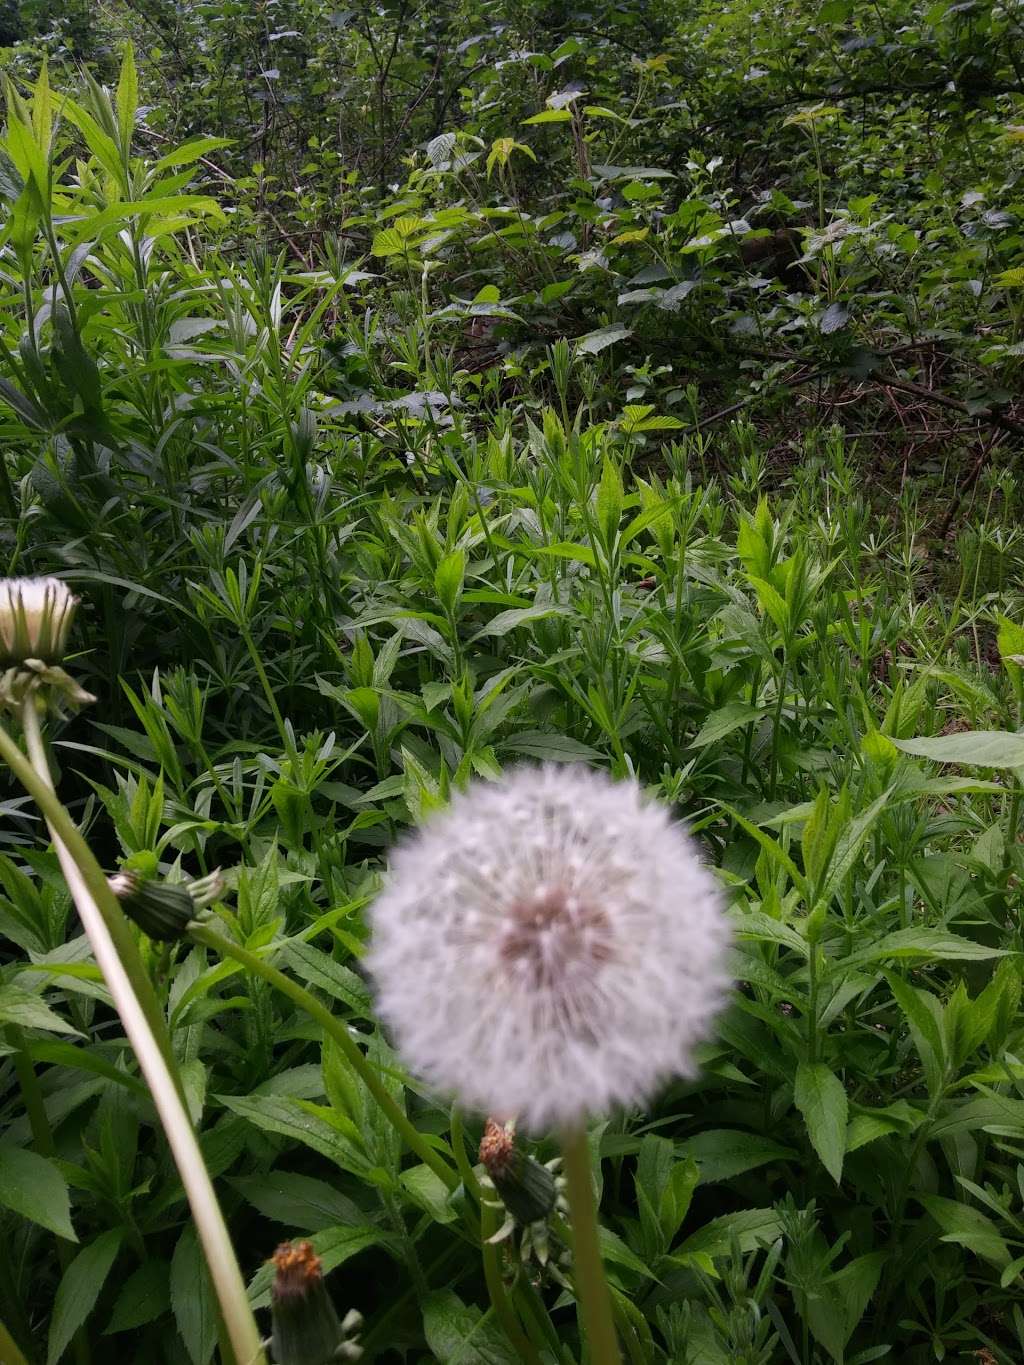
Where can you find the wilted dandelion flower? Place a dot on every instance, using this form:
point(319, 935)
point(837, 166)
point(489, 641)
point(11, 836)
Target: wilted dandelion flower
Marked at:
point(549, 946)
point(35, 617)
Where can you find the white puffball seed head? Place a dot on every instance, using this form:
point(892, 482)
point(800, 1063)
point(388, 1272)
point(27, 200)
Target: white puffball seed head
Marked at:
point(549, 946)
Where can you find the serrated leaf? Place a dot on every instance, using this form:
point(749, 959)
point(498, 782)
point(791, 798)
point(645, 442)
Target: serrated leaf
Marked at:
point(145, 1296)
point(79, 1289)
point(32, 1186)
point(550, 748)
point(459, 1334)
point(968, 1227)
point(722, 1153)
point(751, 1227)
point(821, 1098)
point(724, 721)
point(192, 1298)
point(28, 1010)
point(298, 1201)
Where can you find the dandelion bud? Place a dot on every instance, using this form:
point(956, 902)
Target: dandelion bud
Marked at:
point(306, 1328)
point(527, 1188)
point(163, 909)
point(550, 946)
point(35, 617)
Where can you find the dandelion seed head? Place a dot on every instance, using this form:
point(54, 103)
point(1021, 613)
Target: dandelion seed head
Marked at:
point(548, 947)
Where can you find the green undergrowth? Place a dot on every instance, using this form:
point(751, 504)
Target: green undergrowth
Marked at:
point(331, 569)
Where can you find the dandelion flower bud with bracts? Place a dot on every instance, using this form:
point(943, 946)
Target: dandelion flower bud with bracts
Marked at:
point(306, 1328)
point(549, 946)
point(35, 618)
point(164, 910)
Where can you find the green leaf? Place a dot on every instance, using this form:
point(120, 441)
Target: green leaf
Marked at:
point(127, 96)
point(320, 970)
point(459, 1334)
point(615, 1250)
point(834, 1313)
point(515, 617)
point(550, 116)
point(550, 748)
point(903, 944)
point(724, 721)
point(429, 1191)
point(79, 1289)
point(821, 1098)
point(298, 1201)
point(448, 579)
point(597, 341)
point(32, 1186)
point(752, 1228)
point(968, 1227)
point(300, 1123)
point(923, 1014)
point(192, 1298)
point(722, 1153)
point(982, 748)
point(145, 1296)
point(609, 502)
point(28, 1010)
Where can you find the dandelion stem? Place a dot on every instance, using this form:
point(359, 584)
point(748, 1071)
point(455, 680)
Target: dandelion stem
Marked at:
point(500, 1302)
point(339, 1034)
point(589, 1278)
point(458, 1138)
point(83, 874)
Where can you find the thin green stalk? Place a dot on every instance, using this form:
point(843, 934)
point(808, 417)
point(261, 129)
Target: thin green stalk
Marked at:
point(500, 1302)
point(35, 778)
point(465, 1168)
point(268, 691)
point(339, 1034)
point(162, 1081)
point(589, 1278)
point(9, 1352)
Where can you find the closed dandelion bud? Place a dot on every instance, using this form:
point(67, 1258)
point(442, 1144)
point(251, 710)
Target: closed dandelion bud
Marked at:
point(527, 1188)
point(306, 1328)
point(35, 618)
point(163, 909)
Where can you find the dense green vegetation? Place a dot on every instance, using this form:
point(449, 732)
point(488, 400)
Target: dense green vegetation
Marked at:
point(410, 392)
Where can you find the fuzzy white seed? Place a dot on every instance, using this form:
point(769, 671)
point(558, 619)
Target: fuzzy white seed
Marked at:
point(549, 946)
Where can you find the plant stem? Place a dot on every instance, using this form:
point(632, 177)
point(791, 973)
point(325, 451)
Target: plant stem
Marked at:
point(34, 776)
point(500, 1302)
point(339, 1034)
point(589, 1278)
point(463, 1163)
point(181, 1138)
point(268, 691)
